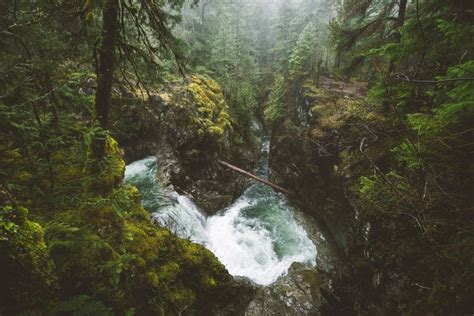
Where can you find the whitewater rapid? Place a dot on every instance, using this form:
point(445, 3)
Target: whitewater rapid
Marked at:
point(256, 237)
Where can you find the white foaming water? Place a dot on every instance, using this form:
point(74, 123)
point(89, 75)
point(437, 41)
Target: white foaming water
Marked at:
point(184, 218)
point(256, 237)
point(140, 168)
point(247, 247)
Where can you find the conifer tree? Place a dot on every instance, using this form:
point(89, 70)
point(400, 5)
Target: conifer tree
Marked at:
point(276, 105)
point(303, 58)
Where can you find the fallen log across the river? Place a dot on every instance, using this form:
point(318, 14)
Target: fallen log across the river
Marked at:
point(254, 177)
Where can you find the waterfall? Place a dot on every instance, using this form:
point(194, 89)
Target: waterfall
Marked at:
point(256, 237)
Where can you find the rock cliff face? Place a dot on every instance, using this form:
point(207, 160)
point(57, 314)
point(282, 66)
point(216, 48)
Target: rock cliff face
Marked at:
point(315, 152)
point(198, 128)
point(383, 191)
point(189, 125)
point(320, 150)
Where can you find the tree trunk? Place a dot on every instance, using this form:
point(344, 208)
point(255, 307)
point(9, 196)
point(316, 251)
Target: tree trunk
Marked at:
point(402, 11)
point(400, 19)
point(398, 24)
point(254, 177)
point(105, 71)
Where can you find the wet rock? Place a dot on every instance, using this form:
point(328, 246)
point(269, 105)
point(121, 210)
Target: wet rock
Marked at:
point(240, 293)
point(297, 293)
point(188, 125)
point(315, 152)
point(198, 128)
point(136, 125)
point(136, 151)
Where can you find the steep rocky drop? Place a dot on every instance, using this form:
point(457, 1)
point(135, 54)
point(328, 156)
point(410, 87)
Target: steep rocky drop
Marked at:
point(260, 236)
point(189, 126)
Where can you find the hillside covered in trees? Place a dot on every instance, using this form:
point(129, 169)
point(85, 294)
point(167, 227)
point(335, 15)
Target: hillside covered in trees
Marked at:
point(119, 120)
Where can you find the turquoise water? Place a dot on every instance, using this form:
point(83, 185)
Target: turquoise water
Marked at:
point(256, 237)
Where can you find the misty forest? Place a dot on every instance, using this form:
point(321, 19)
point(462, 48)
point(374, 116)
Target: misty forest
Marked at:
point(236, 157)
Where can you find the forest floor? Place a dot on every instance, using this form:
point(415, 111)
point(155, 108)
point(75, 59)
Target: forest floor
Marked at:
point(349, 89)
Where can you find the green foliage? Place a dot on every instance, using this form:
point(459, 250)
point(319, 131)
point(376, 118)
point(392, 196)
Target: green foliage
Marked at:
point(418, 209)
point(362, 31)
point(58, 231)
point(27, 272)
point(276, 104)
point(400, 234)
point(100, 245)
point(243, 43)
point(106, 247)
point(223, 47)
point(303, 57)
point(81, 305)
point(69, 230)
point(409, 154)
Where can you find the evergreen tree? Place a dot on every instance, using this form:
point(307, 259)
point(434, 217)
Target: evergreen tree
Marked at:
point(231, 57)
point(276, 105)
point(303, 58)
point(286, 35)
point(146, 16)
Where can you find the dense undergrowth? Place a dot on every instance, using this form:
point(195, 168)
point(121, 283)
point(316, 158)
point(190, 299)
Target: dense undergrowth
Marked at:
point(401, 156)
point(400, 216)
point(71, 241)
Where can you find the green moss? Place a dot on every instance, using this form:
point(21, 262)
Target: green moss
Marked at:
point(113, 166)
point(366, 185)
point(123, 260)
point(104, 246)
point(198, 122)
point(212, 115)
point(14, 165)
point(27, 271)
point(333, 111)
point(169, 271)
point(73, 165)
point(182, 299)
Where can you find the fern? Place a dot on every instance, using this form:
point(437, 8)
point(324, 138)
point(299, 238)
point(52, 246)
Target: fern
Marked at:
point(59, 230)
point(115, 268)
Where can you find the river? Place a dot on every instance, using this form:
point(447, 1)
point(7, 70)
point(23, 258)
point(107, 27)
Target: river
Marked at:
point(257, 237)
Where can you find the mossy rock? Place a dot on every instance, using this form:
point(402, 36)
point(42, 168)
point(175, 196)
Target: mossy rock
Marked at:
point(103, 246)
point(26, 269)
point(113, 168)
point(214, 117)
point(198, 119)
point(110, 250)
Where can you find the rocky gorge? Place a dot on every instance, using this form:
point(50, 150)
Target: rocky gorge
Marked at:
point(238, 157)
point(189, 142)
